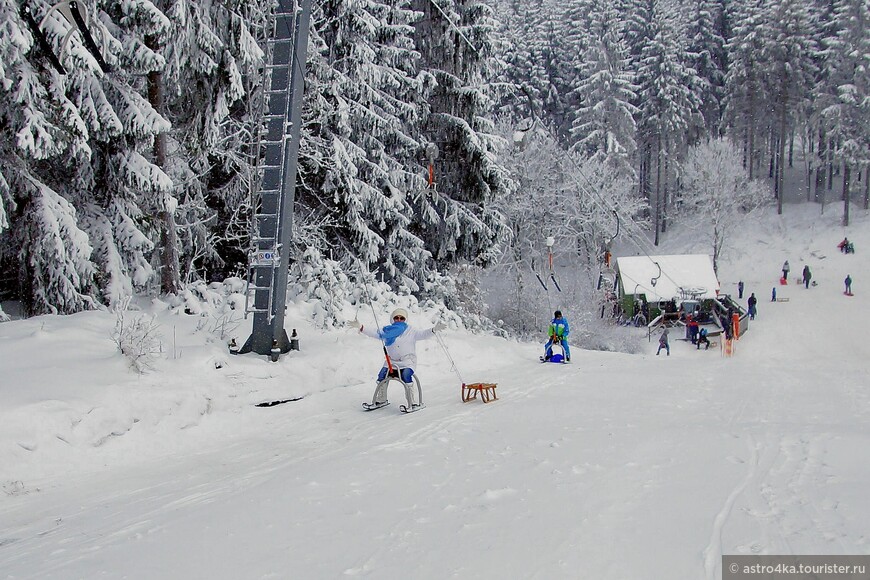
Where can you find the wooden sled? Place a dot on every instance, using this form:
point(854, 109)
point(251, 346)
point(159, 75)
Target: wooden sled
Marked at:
point(486, 390)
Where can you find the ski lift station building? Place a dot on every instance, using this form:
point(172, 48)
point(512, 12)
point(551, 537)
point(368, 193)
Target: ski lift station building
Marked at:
point(657, 279)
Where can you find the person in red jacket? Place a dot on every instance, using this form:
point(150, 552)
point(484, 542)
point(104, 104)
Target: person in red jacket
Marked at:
point(692, 328)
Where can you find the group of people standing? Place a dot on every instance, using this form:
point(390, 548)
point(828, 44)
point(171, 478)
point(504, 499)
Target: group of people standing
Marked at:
point(806, 275)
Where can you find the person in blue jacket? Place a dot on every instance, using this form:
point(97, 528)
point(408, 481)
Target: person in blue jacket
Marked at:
point(557, 334)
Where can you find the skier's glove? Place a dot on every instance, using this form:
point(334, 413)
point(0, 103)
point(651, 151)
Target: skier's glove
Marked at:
point(354, 323)
point(439, 327)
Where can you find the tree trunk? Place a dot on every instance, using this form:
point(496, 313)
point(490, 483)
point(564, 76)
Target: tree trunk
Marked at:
point(847, 170)
point(658, 212)
point(780, 159)
point(808, 139)
point(170, 279)
point(774, 171)
point(820, 167)
point(641, 174)
point(867, 189)
point(666, 201)
point(751, 140)
point(646, 163)
point(717, 248)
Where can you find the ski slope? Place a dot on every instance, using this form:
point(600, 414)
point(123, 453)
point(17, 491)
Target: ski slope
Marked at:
point(615, 466)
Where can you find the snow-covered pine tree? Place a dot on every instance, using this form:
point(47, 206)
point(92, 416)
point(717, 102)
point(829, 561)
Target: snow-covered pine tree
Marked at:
point(571, 33)
point(706, 53)
point(605, 128)
point(818, 145)
point(747, 102)
point(369, 107)
point(44, 243)
point(637, 32)
point(669, 111)
point(533, 56)
point(127, 191)
point(56, 274)
point(454, 39)
point(845, 98)
point(213, 89)
point(154, 28)
point(788, 52)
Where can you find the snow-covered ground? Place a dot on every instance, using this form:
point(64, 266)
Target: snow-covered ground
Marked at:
point(614, 467)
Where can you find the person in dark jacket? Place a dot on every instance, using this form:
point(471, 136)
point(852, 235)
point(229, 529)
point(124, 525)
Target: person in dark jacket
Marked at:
point(848, 282)
point(753, 306)
point(740, 290)
point(807, 275)
point(725, 322)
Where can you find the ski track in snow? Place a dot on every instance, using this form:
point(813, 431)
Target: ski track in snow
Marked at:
point(713, 551)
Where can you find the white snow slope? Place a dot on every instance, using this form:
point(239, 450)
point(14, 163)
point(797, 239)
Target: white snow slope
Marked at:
point(614, 467)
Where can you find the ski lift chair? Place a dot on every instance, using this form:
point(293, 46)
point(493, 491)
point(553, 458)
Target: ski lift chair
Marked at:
point(380, 395)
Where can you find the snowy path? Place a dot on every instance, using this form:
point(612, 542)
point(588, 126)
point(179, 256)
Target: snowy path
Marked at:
point(664, 471)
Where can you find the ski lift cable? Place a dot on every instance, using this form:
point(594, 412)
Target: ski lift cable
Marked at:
point(634, 237)
point(452, 25)
point(591, 191)
point(453, 366)
point(637, 244)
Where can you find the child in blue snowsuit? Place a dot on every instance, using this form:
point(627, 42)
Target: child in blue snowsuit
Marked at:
point(702, 339)
point(558, 334)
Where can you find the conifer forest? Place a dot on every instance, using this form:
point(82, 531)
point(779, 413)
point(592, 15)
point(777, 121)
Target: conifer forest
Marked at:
point(437, 135)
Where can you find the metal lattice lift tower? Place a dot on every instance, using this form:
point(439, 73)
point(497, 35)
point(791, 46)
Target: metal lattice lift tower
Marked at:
point(272, 226)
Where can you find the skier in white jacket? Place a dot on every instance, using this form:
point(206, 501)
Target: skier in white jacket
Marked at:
point(400, 342)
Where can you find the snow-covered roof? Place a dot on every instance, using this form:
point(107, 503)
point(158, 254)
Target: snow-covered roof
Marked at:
point(687, 276)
